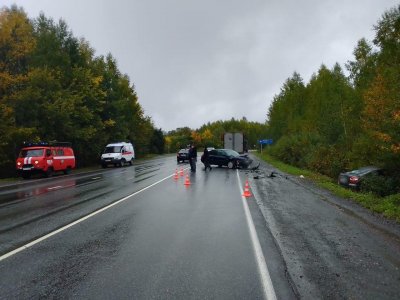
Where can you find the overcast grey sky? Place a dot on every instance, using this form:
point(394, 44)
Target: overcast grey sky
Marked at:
point(194, 62)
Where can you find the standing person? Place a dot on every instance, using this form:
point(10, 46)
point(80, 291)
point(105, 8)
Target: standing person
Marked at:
point(193, 157)
point(205, 159)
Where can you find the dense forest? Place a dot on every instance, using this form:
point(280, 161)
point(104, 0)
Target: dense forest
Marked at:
point(337, 122)
point(53, 87)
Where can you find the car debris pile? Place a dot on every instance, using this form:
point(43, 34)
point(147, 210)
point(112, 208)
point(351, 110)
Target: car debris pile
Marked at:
point(257, 173)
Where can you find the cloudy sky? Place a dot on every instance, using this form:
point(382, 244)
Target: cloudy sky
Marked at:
point(194, 62)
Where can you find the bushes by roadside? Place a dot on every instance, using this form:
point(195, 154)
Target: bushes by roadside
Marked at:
point(387, 205)
point(380, 185)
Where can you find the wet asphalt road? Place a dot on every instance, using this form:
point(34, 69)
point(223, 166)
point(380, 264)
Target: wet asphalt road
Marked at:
point(332, 247)
point(165, 240)
point(169, 241)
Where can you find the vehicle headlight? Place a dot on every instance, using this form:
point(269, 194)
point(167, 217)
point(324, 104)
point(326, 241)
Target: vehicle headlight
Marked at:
point(36, 162)
point(18, 163)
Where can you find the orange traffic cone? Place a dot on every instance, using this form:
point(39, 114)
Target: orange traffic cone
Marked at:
point(247, 190)
point(187, 180)
point(181, 172)
point(176, 176)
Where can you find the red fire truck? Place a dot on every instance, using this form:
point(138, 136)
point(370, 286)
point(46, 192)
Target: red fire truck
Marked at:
point(45, 158)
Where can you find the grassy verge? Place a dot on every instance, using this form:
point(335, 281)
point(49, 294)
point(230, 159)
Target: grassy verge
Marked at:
point(387, 206)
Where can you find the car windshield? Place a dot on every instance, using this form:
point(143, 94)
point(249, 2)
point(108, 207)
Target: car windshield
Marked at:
point(232, 153)
point(31, 153)
point(113, 149)
point(183, 151)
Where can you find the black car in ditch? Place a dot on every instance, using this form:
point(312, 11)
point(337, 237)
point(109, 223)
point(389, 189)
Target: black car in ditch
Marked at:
point(229, 158)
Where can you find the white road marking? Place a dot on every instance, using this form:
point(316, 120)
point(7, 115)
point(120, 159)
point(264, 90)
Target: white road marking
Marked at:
point(268, 288)
point(55, 187)
point(94, 178)
point(45, 237)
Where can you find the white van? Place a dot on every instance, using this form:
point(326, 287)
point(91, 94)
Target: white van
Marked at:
point(118, 154)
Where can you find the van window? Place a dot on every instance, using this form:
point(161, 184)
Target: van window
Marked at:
point(113, 149)
point(48, 152)
point(31, 153)
point(60, 152)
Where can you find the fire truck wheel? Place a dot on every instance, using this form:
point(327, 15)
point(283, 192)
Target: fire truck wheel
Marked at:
point(67, 171)
point(26, 175)
point(49, 172)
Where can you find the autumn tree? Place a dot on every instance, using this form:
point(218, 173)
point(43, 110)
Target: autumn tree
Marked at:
point(16, 46)
point(381, 115)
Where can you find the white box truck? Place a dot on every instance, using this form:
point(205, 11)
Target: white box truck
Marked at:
point(234, 141)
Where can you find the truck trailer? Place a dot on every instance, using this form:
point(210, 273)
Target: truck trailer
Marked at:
point(234, 141)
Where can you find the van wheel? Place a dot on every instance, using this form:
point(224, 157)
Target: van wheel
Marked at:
point(104, 166)
point(67, 170)
point(48, 173)
point(122, 163)
point(131, 162)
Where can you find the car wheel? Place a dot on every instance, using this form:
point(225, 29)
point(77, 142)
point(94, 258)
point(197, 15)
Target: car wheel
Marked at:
point(104, 166)
point(231, 165)
point(122, 163)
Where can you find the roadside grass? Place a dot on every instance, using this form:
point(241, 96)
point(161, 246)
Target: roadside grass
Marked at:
point(388, 206)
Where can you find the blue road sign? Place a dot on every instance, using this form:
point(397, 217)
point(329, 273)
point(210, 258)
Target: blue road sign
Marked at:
point(266, 142)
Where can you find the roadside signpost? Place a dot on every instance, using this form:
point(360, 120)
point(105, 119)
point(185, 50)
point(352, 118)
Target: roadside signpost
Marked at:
point(265, 142)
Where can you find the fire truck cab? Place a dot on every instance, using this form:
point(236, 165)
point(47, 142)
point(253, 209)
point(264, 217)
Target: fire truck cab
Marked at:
point(45, 158)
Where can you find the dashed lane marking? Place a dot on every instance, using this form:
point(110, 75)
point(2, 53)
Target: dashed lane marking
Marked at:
point(55, 187)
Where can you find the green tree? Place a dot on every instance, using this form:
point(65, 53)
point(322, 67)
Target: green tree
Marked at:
point(16, 46)
point(287, 109)
point(157, 141)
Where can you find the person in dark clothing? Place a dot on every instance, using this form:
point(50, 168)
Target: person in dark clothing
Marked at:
point(193, 157)
point(205, 159)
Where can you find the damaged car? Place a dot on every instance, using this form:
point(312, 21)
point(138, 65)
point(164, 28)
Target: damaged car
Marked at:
point(229, 158)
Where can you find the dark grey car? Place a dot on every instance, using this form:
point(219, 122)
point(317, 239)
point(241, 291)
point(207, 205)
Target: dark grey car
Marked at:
point(354, 178)
point(182, 155)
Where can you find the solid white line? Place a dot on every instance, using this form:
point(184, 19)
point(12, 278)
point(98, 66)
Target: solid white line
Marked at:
point(45, 237)
point(268, 288)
